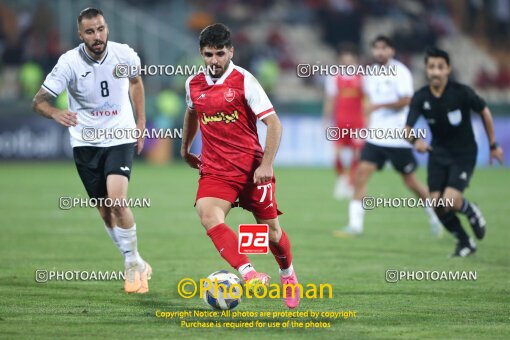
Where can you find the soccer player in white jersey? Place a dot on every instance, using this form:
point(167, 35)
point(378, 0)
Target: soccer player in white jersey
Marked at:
point(97, 98)
point(389, 97)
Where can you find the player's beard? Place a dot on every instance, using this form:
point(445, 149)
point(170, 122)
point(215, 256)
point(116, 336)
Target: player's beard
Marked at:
point(437, 82)
point(101, 43)
point(220, 69)
point(381, 60)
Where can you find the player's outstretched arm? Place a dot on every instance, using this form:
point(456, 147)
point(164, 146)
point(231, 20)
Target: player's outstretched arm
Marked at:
point(42, 105)
point(496, 150)
point(264, 173)
point(137, 94)
point(189, 131)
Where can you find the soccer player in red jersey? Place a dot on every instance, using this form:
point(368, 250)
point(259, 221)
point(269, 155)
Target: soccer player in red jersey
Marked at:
point(344, 100)
point(226, 105)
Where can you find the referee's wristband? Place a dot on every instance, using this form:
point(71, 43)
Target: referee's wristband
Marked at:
point(494, 146)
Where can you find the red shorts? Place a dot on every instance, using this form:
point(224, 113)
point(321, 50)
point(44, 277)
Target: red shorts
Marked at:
point(348, 140)
point(258, 198)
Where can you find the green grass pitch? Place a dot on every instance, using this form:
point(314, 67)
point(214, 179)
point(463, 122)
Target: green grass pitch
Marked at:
point(35, 234)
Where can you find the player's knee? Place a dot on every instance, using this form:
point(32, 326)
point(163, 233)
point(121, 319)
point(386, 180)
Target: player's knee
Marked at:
point(362, 173)
point(452, 200)
point(453, 203)
point(119, 211)
point(409, 181)
point(107, 216)
point(275, 232)
point(209, 220)
point(104, 212)
point(444, 208)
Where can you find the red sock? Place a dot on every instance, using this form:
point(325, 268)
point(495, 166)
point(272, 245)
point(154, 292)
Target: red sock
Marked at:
point(338, 165)
point(354, 166)
point(281, 251)
point(226, 242)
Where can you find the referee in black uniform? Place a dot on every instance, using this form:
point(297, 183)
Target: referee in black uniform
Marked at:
point(447, 106)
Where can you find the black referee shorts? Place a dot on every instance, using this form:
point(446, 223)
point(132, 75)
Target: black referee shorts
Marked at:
point(446, 171)
point(94, 164)
point(402, 159)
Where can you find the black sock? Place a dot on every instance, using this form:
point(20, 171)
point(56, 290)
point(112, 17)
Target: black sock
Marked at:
point(467, 209)
point(452, 223)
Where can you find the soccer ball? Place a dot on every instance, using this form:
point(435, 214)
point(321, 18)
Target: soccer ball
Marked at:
point(222, 290)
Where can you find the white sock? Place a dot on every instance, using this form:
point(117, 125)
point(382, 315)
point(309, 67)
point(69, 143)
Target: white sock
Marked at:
point(344, 180)
point(356, 215)
point(287, 272)
point(113, 236)
point(128, 246)
point(346, 156)
point(246, 268)
point(431, 213)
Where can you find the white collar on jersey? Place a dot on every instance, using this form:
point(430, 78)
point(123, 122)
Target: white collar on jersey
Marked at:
point(222, 78)
point(86, 54)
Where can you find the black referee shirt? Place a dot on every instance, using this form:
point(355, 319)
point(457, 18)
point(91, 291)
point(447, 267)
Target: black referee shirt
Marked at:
point(449, 117)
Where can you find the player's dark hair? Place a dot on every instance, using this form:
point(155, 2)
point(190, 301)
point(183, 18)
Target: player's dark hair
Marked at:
point(384, 39)
point(434, 52)
point(89, 13)
point(215, 35)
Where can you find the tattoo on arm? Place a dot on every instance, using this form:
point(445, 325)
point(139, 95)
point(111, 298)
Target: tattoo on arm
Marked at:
point(42, 97)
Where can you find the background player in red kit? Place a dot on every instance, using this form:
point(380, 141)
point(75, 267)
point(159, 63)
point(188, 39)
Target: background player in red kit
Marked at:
point(233, 166)
point(343, 107)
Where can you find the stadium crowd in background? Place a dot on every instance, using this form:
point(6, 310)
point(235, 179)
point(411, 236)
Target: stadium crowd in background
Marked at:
point(31, 41)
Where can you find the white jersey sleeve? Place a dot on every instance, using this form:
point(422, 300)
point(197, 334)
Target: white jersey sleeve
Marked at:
point(256, 97)
point(189, 102)
point(330, 86)
point(134, 60)
point(58, 79)
point(404, 82)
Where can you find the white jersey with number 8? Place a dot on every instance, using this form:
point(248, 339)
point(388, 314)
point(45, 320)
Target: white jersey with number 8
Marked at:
point(96, 91)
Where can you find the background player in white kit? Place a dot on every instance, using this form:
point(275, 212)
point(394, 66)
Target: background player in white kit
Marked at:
point(99, 99)
point(389, 97)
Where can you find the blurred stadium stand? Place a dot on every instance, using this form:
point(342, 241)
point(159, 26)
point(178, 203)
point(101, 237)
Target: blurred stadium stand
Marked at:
point(270, 38)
